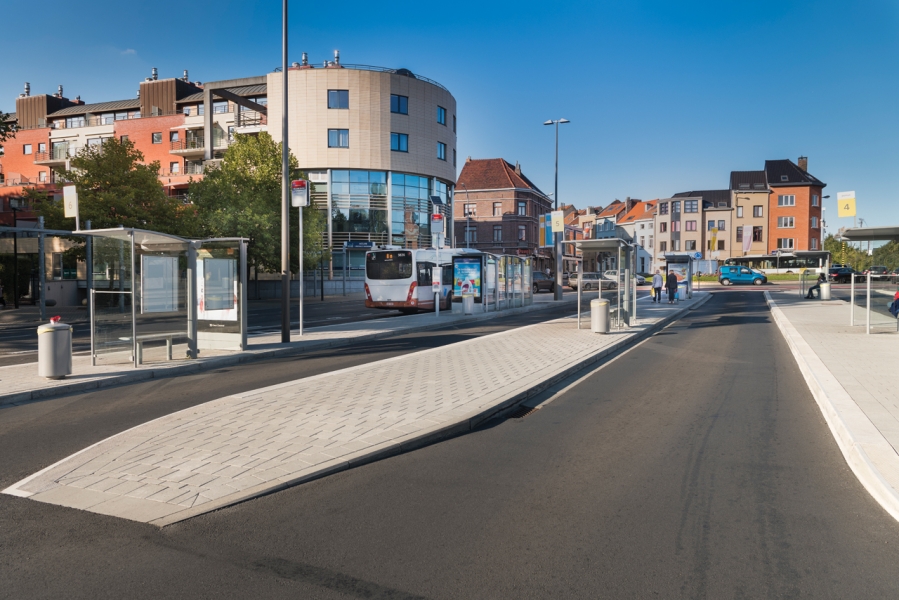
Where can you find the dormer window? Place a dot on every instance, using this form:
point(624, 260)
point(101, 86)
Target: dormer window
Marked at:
point(784, 178)
point(744, 186)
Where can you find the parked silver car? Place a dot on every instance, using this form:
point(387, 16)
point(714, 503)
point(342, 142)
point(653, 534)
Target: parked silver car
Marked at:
point(591, 281)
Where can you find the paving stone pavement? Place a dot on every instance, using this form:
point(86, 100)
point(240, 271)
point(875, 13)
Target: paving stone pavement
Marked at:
point(20, 383)
point(240, 446)
point(853, 378)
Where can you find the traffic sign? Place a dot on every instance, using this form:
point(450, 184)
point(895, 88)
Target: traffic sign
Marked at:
point(846, 204)
point(437, 223)
point(697, 255)
point(299, 193)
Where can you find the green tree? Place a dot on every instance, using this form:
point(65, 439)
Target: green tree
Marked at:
point(115, 188)
point(242, 198)
point(7, 130)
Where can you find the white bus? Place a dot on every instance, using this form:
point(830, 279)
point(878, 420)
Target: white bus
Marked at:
point(400, 279)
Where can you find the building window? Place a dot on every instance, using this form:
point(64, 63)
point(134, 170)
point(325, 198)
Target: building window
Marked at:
point(441, 150)
point(454, 123)
point(124, 138)
point(522, 233)
point(338, 98)
point(56, 265)
point(471, 235)
point(42, 176)
point(691, 206)
point(739, 212)
point(173, 136)
point(26, 148)
point(399, 142)
point(814, 222)
point(757, 234)
point(497, 233)
point(689, 225)
point(675, 225)
point(454, 157)
point(785, 223)
point(185, 110)
point(441, 115)
point(522, 208)
point(663, 227)
point(174, 168)
point(758, 211)
point(789, 200)
point(42, 147)
point(675, 245)
point(338, 138)
point(220, 107)
point(675, 206)
point(74, 122)
point(470, 210)
point(95, 142)
point(785, 243)
point(720, 244)
point(814, 243)
point(739, 234)
point(689, 244)
point(650, 242)
point(497, 209)
point(157, 137)
point(663, 246)
point(663, 208)
point(399, 104)
point(815, 200)
point(711, 225)
point(721, 225)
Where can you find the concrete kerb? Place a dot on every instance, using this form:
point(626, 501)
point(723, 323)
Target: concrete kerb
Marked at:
point(839, 410)
point(218, 362)
point(418, 440)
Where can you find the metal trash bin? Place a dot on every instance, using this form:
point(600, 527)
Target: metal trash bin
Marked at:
point(599, 315)
point(468, 304)
point(824, 291)
point(54, 349)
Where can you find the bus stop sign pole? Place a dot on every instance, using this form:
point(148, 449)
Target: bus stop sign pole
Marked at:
point(299, 198)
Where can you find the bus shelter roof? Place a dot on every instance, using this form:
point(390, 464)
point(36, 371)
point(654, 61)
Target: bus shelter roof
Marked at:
point(870, 234)
point(678, 258)
point(151, 240)
point(603, 245)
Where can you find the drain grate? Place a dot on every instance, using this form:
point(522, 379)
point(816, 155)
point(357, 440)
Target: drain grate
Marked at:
point(522, 411)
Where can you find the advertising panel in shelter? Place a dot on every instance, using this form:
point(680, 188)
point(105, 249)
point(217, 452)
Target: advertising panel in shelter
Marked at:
point(467, 276)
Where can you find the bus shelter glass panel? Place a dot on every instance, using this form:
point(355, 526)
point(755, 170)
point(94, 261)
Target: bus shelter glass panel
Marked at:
point(501, 281)
point(527, 265)
point(515, 263)
point(161, 296)
point(111, 299)
point(221, 310)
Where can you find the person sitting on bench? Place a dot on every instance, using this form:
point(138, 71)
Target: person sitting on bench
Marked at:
point(821, 279)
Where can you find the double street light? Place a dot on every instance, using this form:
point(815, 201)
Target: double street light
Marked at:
point(557, 236)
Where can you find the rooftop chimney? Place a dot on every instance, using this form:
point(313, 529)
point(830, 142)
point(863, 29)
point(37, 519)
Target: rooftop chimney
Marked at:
point(59, 91)
point(185, 78)
point(803, 163)
point(155, 74)
point(517, 168)
point(305, 59)
point(337, 57)
point(27, 89)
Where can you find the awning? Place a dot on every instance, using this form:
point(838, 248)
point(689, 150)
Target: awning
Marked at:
point(603, 245)
point(870, 234)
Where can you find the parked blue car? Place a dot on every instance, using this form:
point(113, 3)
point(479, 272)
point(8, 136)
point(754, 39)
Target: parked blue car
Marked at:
point(737, 275)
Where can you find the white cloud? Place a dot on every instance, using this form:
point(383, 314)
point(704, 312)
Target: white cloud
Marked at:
point(128, 51)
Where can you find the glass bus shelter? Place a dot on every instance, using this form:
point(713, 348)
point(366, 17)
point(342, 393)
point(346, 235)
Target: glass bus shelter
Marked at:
point(622, 295)
point(157, 289)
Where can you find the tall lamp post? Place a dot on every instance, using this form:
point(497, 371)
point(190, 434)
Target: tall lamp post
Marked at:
point(557, 237)
point(285, 190)
point(467, 215)
point(15, 208)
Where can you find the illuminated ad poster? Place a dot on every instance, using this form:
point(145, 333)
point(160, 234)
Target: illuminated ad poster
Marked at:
point(467, 276)
point(217, 289)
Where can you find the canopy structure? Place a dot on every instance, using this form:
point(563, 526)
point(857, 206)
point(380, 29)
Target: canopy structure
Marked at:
point(870, 234)
point(155, 287)
point(625, 301)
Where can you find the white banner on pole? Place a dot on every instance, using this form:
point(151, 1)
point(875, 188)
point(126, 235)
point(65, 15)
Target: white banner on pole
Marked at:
point(70, 199)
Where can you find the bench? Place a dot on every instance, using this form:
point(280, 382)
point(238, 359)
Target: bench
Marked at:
point(154, 337)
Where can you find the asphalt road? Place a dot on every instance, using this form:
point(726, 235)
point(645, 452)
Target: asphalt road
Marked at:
point(696, 465)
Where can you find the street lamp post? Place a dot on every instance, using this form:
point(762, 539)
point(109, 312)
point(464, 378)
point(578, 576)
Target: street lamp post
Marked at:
point(285, 190)
point(557, 236)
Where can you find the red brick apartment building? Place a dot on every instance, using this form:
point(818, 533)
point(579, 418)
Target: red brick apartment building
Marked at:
point(180, 123)
point(497, 209)
point(794, 206)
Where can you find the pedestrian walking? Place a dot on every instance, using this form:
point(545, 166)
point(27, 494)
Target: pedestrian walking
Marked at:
point(671, 284)
point(657, 287)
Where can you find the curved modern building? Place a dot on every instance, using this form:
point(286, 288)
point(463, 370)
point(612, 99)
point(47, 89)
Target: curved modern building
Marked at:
point(376, 143)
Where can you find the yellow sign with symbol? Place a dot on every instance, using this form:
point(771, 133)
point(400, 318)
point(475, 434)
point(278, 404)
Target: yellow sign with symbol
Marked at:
point(558, 221)
point(846, 204)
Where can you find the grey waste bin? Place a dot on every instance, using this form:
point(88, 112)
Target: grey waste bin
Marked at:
point(468, 304)
point(824, 290)
point(54, 349)
point(599, 315)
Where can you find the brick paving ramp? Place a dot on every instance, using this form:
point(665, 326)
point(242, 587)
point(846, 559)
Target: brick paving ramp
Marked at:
point(854, 380)
point(244, 445)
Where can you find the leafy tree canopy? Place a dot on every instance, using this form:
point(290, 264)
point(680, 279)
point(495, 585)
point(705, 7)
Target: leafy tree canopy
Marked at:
point(6, 128)
point(242, 198)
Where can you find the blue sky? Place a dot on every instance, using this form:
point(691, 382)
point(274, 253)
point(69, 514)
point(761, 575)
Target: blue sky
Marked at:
point(662, 96)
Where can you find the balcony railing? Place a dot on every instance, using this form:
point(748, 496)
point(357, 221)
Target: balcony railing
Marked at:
point(188, 144)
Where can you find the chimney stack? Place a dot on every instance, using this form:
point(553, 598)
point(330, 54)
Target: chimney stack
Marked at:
point(59, 91)
point(517, 168)
point(27, 89)
point(155, 74)
point(305, 59)
point(185, 78)
point(337, 57)
point(803, 163)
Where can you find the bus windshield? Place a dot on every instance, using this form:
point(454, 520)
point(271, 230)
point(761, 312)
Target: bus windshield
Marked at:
point(395, 264)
